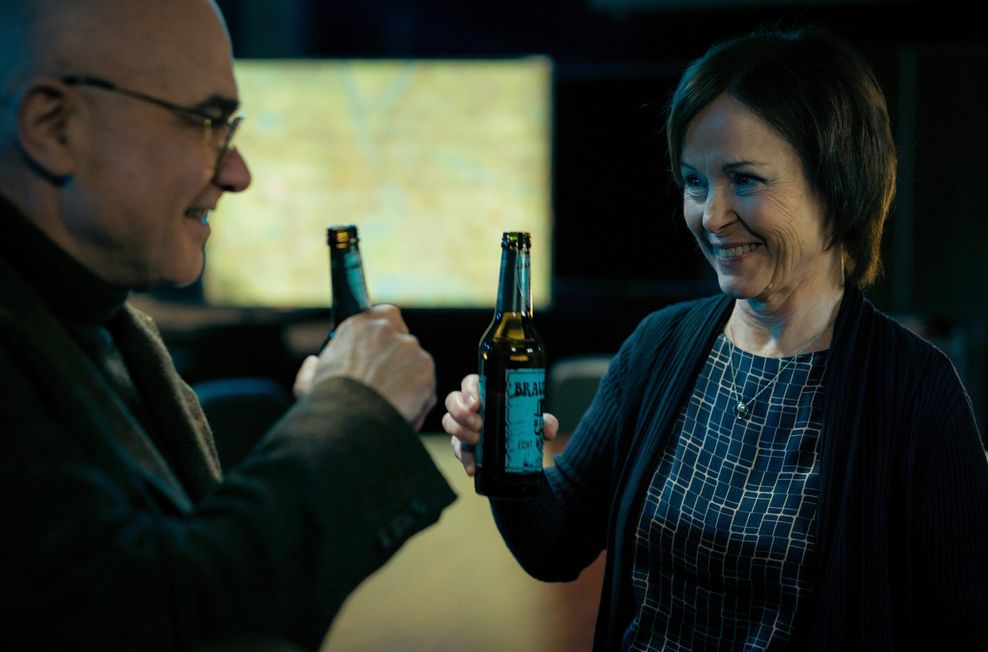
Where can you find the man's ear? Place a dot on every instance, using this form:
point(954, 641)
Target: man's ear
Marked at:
point(42, 133)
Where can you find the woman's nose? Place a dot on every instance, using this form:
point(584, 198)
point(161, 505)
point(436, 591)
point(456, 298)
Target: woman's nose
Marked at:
point(718, 210)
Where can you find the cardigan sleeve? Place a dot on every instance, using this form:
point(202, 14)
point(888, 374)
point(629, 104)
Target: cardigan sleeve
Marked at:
point(92, 558)
point(557, 534)
point(951, 489)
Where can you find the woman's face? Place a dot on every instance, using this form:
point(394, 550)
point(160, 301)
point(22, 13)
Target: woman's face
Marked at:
point(748, 203)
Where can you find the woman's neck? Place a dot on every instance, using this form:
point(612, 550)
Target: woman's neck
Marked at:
point(781, 329)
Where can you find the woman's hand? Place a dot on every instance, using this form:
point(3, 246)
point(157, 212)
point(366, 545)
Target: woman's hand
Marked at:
point(462, 422)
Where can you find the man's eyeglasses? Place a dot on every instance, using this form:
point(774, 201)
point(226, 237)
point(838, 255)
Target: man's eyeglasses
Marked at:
point(218, 131)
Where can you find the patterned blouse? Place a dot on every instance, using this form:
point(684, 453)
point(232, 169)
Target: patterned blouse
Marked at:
point(725, 539)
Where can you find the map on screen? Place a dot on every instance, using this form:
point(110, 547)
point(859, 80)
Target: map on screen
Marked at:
point(431, 159)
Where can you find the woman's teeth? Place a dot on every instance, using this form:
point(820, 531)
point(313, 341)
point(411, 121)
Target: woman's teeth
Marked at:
point(735, 251)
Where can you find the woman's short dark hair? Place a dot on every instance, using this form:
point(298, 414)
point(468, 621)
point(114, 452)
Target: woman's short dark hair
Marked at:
point(822, 96)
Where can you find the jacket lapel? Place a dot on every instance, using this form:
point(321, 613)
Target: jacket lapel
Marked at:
point(180, 424)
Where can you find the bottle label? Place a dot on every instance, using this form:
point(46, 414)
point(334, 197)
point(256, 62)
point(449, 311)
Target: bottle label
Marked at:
point(524, 393)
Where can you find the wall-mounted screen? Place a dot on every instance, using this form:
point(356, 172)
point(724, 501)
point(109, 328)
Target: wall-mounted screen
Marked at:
point(431, 159)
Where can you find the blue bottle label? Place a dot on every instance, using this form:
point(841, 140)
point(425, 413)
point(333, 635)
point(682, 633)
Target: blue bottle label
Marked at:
point(524, 393)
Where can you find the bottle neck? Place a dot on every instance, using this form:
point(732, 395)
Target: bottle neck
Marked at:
point(349, 287)
point(514, 292)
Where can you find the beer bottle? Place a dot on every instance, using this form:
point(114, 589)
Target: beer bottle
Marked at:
point(512, 383)
point(346, 273)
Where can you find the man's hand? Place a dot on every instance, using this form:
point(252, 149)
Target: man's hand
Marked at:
point(375, 348)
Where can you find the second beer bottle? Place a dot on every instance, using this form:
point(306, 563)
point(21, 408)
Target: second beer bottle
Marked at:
point(512, 383)
point(346, 273)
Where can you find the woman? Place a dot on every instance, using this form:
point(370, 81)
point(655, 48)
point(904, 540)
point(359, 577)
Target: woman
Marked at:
point(781, 465)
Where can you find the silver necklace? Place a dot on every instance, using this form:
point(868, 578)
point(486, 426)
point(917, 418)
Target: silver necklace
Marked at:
point(742, 409)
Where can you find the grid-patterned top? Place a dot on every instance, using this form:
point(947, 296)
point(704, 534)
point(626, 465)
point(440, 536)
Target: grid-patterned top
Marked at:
point(725, 539)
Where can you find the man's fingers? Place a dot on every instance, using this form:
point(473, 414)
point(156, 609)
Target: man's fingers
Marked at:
point(390, 313)
point(306, 375)
point(426, 409)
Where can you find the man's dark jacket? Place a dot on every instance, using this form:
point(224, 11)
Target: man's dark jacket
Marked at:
point(120, 532)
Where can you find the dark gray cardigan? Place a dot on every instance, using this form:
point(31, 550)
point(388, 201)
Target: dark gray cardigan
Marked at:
point(902, 527)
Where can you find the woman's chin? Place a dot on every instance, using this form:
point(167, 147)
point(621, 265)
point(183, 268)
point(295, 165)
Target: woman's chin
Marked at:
point(735, 290)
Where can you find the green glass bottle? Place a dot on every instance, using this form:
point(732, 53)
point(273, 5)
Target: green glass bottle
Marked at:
point(346, 273)
point(512, 383)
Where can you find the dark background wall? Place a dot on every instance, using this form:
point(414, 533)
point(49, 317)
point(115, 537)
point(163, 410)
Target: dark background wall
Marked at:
point(620, 249)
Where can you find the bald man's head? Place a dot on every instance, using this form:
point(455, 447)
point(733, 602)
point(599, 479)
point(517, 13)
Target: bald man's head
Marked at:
point(122, 40)
point(116, 115)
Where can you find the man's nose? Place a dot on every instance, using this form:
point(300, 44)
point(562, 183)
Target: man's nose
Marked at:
point(233, 174)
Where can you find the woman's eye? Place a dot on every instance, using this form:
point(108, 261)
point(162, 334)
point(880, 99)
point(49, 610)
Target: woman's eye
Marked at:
point(693, 183)
point(744, 180)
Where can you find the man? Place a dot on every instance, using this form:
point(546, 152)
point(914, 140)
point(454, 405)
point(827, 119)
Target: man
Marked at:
point(119, 532)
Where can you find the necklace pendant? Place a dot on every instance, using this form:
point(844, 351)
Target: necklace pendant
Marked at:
point(742, 410)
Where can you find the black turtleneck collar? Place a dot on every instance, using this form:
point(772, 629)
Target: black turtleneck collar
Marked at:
point(71, 290)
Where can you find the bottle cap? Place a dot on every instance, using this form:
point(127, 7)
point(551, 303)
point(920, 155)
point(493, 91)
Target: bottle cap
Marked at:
point(519, 239)
point(342, 235)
